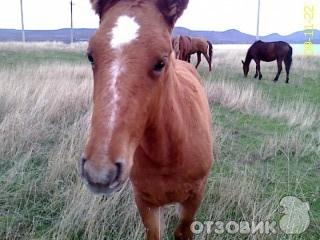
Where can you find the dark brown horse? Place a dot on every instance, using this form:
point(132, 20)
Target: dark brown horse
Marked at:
point(268, 52)
point(185, 46)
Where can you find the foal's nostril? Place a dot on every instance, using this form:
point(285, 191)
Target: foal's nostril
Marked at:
point(119, 171)
point(83, 160)
point(81, 165)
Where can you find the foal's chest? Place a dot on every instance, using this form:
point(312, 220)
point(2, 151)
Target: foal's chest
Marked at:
point(161, 190)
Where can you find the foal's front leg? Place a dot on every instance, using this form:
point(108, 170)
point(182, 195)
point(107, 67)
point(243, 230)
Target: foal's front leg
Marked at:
point(187, 212)
point(150, 216)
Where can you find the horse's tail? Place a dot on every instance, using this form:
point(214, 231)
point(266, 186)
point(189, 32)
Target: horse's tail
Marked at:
point(210, 50)
point(289, 58)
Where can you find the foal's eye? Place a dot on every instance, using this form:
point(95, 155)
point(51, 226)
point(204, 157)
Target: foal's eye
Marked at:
point(159, 66)
point(90, 58)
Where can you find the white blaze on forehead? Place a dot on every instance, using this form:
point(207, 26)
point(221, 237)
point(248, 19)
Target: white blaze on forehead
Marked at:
point(115, 72)
point(125, 30)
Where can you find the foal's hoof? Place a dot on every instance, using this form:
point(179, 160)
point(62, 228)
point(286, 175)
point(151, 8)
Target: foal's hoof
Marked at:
point(183, 237)
point(275, 80)
point(183, 234)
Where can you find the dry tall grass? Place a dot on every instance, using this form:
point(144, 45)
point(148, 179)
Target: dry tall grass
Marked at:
point(78, 46)
point(247, 98)
point(44, 117)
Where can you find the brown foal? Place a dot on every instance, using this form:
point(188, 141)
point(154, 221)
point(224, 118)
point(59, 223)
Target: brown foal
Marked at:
point(151, 120)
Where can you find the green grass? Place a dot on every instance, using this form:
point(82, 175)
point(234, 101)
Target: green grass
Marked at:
point(13, 58)
point(282, 159)
point(260, 155)
point(304, 80)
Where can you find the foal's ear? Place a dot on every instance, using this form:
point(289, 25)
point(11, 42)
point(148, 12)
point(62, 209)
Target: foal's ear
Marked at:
point(100, 5)
point(172, 9)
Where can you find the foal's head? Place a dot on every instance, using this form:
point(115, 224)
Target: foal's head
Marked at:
point(245, 68)
point(131, 57)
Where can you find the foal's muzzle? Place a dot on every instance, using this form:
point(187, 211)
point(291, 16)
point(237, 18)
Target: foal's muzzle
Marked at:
point(101, 179)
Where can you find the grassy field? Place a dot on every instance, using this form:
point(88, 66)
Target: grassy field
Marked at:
point(267, 147)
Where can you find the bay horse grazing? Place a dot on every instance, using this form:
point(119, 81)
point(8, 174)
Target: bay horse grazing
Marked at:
point(151, 121)
point(176, 46)
point(190, 45)
point(268, 52)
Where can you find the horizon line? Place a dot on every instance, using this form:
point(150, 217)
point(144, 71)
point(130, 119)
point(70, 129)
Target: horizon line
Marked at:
point(231, 29)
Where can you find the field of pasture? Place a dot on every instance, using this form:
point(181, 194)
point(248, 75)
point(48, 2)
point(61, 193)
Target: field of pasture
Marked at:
point(267, 147)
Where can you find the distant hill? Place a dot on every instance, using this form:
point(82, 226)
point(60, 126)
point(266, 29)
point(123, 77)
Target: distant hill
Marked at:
point(231, 36)
point(60, 35)
point(227, 37)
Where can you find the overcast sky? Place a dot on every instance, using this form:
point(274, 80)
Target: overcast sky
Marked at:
point(277, 16)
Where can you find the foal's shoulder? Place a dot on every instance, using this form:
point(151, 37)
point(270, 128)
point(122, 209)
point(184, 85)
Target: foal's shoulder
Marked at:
point(187, 71)
point(189, 79)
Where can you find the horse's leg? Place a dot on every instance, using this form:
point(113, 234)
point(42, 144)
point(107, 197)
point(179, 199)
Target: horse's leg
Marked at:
point(198, 59)
point(186, 57)
point(208, 60)
point(187, 211)
point(279, 63)
point(256, 75)
point(150, 216)
point(189, 58)
point(258, 68)
point(287, 64)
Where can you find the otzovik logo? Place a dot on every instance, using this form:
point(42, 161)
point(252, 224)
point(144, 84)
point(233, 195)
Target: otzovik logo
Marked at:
point(296, 219)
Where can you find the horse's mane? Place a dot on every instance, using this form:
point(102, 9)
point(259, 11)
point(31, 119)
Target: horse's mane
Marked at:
point(248, 56)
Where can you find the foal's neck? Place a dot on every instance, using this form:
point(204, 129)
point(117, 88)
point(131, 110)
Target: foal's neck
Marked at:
point(164, 134)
